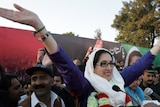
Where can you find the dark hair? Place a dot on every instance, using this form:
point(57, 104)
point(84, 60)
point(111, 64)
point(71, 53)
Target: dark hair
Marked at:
point(5, 82)
point(134, 53)
point(25, 82)
point(1, 70)
point(59, 75)
point(157, 69)
point(98, 54)
point(54, 69)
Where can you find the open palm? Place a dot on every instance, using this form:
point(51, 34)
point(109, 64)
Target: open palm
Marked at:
point(23, 16)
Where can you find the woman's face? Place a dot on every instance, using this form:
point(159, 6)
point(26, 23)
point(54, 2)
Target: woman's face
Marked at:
point(104, 66)
point(136, 83)
point(134, 59)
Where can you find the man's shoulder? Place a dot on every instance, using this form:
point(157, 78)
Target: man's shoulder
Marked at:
point(26, 102)
point(58, 102)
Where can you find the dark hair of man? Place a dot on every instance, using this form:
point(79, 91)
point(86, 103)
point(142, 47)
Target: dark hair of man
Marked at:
point(58, 74)
point(5, 82)
point(98, 54)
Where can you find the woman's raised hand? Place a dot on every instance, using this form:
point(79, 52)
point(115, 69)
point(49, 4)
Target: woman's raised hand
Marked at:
point(22, 16)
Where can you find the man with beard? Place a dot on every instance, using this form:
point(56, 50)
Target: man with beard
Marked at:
point(10, 91)
point(42, 96)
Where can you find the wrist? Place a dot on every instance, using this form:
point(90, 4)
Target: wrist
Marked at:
point(39, 30)
point(43, 32)
point(37, 24)
point(42, 37)
point(157, 45)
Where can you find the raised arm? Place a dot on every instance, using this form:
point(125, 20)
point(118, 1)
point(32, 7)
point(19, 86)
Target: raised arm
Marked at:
point(27, 17)
point(74, 78)
point(156, 48)
point(132, 72)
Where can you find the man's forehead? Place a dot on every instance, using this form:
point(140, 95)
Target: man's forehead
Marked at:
point(57, 77)
point(149, 74)
point(36, 73)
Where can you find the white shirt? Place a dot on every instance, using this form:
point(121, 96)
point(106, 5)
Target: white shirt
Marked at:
point(35, 100)
point(22, 98)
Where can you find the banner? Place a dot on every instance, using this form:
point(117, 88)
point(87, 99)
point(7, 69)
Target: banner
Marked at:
point(18, 49)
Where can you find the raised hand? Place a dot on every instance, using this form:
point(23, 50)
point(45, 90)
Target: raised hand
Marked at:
point(40, 55)
point(46, 60)
point(22, 16)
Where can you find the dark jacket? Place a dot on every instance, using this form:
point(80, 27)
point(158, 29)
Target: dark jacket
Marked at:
point(68, 99)
point(5, 100)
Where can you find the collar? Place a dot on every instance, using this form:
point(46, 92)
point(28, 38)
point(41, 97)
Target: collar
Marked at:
point(35, 100)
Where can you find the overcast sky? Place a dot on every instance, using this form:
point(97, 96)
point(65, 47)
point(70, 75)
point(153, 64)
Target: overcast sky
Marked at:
point(82, 17)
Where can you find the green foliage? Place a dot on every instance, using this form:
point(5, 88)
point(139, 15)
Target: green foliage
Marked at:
point(138, 22)
point(69, 34)
point(98, 34)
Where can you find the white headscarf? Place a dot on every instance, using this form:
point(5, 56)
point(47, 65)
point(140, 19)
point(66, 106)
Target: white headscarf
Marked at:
point(102, 85)
point(128, 54)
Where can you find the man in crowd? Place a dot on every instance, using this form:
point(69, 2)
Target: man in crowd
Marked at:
point(58, 84)
point(147, 77)
point(10, 91)
point(60, 88)
point(147, 81)
point(156, 84)
point(41, 82)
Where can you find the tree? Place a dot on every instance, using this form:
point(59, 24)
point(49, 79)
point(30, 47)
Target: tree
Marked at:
point(138, 23)
point(98, 34)
point(69, 34)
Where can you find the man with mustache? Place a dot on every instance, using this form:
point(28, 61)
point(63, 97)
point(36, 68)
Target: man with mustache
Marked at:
point(41, 81)
point(147, 77)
